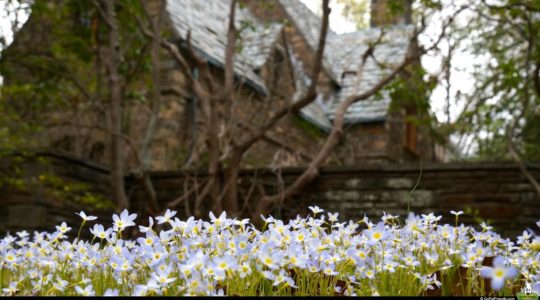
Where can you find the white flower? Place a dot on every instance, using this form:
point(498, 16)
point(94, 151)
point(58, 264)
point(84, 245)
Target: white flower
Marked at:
point(125, 220)
point(485, 226)
point(111, 293)
point(456, 213)
point(377, 234)
point(145, 229)
point(268, 220)
point(63, 228)
point(333, 217)
point(11, 289)
point(536, 287)
point(99, 231)
point(87, 291)
point(221, 221)
point(167, 217)
point(315, 209)
point(60, 284)
point(85, 217)
point(498, 273)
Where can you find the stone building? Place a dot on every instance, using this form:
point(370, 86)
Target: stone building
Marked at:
point(276, 44)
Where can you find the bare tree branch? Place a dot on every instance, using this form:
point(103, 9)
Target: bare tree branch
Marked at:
point(332, 140)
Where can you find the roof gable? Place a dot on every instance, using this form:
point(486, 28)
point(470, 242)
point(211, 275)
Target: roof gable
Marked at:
point(208, 23)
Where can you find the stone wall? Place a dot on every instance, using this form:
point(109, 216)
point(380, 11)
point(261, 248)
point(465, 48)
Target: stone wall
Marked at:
point(494, 192)
point(31, 209)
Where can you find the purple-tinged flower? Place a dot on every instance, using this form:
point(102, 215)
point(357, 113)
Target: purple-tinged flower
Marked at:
point(99, 231)
point(498, 273)
point(524, 238)
point(376, 234)
point(536, 287)
point(162, 276)
point(221, 221)
point(125, 220)
point(329, 269)
point(410, 260)
point(63, 228)
point(111, 293)
point(149, 240)
point(60, 284)
point(11, 290)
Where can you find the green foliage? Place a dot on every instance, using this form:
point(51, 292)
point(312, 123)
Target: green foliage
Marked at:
point(355, 11)
point(74, 192)
point(505, 97)
point(309, 127)
point(412, 91)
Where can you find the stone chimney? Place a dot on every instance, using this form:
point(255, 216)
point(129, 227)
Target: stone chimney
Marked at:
point(387, 12)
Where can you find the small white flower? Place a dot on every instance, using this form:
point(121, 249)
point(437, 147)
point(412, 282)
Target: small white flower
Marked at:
point(167, 217)
point(87, 291)
point(485, 226)
point(99, 231)
point(125, 220)
point(376, 234)
point(315, 209)
point(11, 290)
point(63, 228)
point(111, 293)
point(145, 229)
point(60, 284)
point(85, 217)
point(456, 213)
point(268, 220)
point(536, 287)
point(333, 217)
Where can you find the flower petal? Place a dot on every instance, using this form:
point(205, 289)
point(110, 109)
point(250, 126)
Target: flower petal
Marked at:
point(486, 272)
point(497, 283)
point(511, 272)
point(498, 262)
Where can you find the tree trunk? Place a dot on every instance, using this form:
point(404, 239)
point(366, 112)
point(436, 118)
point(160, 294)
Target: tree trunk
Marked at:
point(230, 198)
point(115, 102)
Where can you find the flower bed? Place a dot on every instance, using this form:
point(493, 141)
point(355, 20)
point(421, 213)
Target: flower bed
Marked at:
point(315, 255)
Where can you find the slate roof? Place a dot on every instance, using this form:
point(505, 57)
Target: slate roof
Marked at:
point(208, 23)
point(342, 57)
point(310, 25)
point(346, 51)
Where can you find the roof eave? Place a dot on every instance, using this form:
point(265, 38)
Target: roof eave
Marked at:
point(216, 63)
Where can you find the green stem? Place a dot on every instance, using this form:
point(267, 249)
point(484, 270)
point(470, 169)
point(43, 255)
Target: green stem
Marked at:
point(80, 228)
